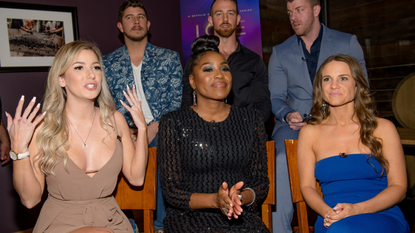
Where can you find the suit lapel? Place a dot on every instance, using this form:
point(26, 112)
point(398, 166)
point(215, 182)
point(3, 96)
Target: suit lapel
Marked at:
point(325, 47)
point(303, 76)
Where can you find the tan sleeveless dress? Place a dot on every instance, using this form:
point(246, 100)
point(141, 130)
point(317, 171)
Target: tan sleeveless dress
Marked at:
point(77, 200)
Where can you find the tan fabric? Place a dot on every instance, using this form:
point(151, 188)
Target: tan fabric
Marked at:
point(77, 200)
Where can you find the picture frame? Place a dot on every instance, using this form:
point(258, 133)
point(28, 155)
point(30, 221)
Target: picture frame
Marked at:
point(31, 35)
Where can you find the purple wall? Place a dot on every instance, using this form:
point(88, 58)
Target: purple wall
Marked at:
point(97, 23)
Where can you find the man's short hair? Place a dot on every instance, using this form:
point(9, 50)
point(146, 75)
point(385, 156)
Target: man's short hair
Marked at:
point(312, 2)
point(130, 3)
point(235, 1)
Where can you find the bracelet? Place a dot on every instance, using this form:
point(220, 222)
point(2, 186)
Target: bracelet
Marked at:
point(254, 196)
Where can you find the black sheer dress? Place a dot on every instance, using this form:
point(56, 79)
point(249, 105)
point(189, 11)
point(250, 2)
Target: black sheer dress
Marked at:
point(196, 156)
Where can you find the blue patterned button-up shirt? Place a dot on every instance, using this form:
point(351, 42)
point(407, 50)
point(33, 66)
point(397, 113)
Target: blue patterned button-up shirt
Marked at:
point(161, 77)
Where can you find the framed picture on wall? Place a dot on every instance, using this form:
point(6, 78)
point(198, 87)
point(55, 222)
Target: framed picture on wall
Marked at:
point(31, 35)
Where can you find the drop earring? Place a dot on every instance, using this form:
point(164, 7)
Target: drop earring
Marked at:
point(194, 97)
point(324, 106)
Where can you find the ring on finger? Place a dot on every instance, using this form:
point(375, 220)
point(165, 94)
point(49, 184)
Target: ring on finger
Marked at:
point(225, 210)
point(131, 105)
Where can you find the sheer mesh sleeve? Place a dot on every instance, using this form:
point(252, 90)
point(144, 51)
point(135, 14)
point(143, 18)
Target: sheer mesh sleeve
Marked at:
point(257, 172)
point(168, 153)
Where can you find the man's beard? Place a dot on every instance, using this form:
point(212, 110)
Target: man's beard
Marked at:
point(226, 32)
point(136, 38)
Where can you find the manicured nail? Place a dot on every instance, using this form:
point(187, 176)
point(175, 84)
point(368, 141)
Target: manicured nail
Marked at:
point(327, 216)
point(22, 98)
point(33, 99)
point(338, 211)
point(38, 105)
point(124, 92)
point(326, 224)
point(6, 113)
point(335, 208)
point(44, 113)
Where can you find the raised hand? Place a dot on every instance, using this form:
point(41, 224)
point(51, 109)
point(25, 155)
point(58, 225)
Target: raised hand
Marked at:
point(223, 201)
point(134, 108)
point(21, 128)
point(237, 202)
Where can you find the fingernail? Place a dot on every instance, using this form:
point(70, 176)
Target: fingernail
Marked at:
point(326, 224)
point(33, 99)
point(128, 87)
point(338, 211)
point(327, 216)
point(335, 208)
point(38, 105)
point(44, 113)
point(124, 92)
point(5, 113)
point(121, 101)
point(22, 98)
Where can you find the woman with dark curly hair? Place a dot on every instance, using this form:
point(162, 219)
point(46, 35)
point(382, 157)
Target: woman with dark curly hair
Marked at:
point(356, 157)
point(212, 156)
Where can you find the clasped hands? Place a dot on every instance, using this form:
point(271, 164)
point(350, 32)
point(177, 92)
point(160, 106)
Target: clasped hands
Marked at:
point(340, 211)
point(228, 201)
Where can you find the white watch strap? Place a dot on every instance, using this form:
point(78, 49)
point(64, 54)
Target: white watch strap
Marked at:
point(23, 155)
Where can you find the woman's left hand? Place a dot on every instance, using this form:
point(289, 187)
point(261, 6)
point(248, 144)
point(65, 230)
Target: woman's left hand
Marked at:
point(134, 108)
point(237, 203)
point(340, 211)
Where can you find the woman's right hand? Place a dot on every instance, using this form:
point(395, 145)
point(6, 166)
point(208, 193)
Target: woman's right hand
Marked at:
point(223, 201)
point(21, 128)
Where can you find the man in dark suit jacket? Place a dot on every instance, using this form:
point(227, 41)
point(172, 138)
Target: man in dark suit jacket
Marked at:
point(291, 70)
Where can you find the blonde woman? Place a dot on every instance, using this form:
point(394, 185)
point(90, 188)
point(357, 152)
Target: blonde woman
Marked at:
point(79, 144)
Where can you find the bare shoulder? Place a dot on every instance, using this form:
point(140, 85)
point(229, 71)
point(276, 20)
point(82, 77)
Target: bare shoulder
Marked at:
point(309, 129)
point(384, 126)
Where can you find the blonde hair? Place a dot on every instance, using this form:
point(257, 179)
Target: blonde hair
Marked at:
point(365, 106)
point(52, 138)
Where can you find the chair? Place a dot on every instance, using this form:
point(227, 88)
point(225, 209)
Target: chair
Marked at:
point(141, 198)
point(297, 197)
point(270, 200)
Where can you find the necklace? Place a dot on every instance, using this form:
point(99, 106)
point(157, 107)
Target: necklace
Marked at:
point(84, 145)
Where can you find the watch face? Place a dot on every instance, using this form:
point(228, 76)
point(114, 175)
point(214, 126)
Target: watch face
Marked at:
point(13, 155)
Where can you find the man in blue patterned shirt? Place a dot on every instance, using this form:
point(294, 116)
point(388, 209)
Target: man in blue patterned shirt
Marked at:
point(156, 72)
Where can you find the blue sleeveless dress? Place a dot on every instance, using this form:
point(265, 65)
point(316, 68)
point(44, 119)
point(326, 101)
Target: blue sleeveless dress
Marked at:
point(352, 179)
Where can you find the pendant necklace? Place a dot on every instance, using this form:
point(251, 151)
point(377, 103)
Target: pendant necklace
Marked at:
point(84, 145)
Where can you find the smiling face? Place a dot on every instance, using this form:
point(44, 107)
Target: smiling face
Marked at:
point(338, 84)
point(83, 78)
point(134, 24)
point(211, 77)
point(303, 16)
point(224, 18)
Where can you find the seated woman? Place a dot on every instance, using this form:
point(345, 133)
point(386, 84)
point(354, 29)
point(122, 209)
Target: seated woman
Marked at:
point(80, 144)
point(356, 157)
point(212, 156)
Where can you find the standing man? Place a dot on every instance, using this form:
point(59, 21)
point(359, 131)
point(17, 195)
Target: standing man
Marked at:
point(292, 67)
point(249, 74)
point(156, 72)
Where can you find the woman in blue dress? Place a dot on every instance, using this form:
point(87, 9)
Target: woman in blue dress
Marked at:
point(356, 157)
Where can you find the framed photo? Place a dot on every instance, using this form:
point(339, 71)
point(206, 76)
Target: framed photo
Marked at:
point(31, 35)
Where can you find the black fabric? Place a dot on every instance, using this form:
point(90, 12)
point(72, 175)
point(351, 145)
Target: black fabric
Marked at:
point(312, 57)
point(196, 156)
point(249, 82)
point(1, 110)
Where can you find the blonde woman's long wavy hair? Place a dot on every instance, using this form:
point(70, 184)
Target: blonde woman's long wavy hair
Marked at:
point(364, 106)
point(52, 138)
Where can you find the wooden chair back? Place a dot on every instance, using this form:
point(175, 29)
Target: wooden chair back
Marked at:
point(270, 200)
point(297, 198)
point(141, 198)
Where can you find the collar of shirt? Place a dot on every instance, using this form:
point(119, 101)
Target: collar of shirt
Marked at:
point(312, 57)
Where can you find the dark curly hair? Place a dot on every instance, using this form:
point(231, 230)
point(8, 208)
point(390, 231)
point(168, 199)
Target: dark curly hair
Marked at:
point(202, 45)
point(365, 106)
point(130, 3)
